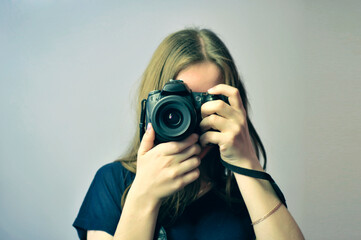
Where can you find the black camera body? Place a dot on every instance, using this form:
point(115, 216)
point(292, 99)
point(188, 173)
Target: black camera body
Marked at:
point(174, 111)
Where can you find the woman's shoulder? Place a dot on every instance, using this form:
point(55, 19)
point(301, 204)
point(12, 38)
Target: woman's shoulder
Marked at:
point(115, 172)
point(111, 167)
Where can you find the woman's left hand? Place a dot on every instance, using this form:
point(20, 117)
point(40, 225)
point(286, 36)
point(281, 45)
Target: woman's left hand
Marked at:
point(231, 129)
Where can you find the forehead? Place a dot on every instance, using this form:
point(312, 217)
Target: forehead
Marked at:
point(201, 76)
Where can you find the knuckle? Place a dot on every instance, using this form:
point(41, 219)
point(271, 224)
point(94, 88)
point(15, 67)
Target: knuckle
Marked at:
point(195, 174)
point(228, 141)
point(192, 162)
point(168, 160)
point(172, 174)
point(197, 161)
point(174, 146)
point(158, 153)
point(212, 119)
point(222, 148)
point(204, 138)
point(232, 139)
point(241, 117)
point(178, 184)
point(237, 129)
point(220, 104)
point(197, 149)
point(235, 91)
point(204, 107)
point(243, 123)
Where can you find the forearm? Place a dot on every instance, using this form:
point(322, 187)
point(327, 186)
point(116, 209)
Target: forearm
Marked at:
point(162, 170)
point(138, 219)
point(260, 199)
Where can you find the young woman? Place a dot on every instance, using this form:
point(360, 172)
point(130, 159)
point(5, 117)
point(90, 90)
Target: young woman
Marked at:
point(180, 189)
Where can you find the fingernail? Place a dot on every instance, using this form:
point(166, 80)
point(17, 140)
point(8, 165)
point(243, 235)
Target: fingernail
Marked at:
point(210, 90)
point(149, 126)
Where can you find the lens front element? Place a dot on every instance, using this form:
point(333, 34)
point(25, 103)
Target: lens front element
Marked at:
point(173, 118)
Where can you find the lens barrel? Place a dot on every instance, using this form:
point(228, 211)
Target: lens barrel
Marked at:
point(173, 118)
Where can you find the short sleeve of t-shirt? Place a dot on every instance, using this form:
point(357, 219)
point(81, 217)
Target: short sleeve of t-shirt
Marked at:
point(101, 207)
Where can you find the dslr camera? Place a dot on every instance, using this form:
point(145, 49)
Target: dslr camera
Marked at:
point(174, 111)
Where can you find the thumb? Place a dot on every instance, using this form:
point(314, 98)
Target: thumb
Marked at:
point(147, 141)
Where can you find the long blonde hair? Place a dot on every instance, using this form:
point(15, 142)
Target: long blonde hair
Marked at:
point(176, 52)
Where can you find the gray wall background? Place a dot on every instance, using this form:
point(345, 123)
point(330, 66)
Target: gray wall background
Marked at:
point(69, 69)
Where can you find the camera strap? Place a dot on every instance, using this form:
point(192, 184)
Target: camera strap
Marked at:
point(142, 120)
point(259, 175)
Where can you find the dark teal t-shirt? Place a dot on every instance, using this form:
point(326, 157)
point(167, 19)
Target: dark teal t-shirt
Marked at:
point(207, 218)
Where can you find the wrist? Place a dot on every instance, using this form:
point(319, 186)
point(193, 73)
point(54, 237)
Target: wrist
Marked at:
point(252, 164)
point(144, 201)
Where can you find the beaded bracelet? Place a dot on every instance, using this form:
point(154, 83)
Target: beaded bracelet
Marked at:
point(268, 214)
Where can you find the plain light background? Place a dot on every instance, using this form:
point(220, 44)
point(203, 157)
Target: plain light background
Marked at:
point(68, 74)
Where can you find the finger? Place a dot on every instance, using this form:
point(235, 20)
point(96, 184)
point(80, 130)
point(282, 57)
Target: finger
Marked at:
point(210, 137)
point(186, 179)
point(147, 141)
point(214, 122)
point(232, 93)
point(195, 149)
point(217, 106)
point(187, 165)
point(170, 148)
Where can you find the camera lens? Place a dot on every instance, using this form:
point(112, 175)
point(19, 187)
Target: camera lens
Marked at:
point(172, 118)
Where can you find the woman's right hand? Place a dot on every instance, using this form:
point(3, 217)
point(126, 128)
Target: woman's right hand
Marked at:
point(165, 168)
